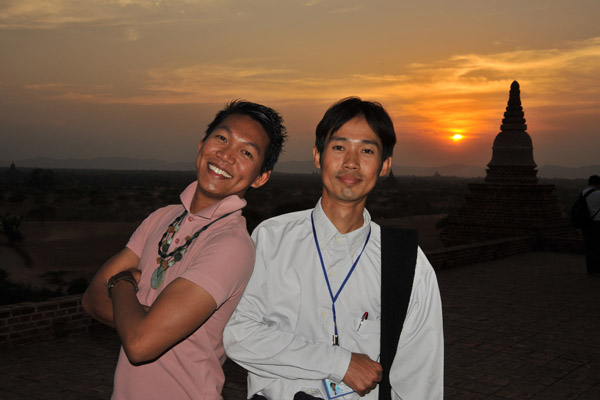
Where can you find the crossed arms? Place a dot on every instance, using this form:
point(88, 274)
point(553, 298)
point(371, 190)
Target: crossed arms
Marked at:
point(146, 332)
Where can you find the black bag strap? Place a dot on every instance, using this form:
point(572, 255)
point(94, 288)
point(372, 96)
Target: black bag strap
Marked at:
point(585, 197)
point(398, 260)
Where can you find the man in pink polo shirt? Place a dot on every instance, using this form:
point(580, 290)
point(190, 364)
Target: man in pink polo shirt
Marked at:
point(171, 290)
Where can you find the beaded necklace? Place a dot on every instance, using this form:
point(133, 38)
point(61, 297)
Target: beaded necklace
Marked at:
point(166, 260)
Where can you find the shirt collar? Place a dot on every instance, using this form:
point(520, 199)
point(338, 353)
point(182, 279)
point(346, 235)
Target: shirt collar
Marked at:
point(326, 231)
point(228, 204)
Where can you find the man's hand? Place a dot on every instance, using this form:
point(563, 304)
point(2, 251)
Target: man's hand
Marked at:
point(363, 374)
point(137, 275)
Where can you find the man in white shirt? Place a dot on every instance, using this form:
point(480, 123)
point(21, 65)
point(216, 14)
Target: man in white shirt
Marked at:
point(591, 234)
point(311, 313)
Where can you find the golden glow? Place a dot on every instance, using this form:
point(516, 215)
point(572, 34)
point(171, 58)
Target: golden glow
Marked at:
point(446, 97)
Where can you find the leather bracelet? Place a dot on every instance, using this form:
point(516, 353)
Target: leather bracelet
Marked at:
point(121, 276)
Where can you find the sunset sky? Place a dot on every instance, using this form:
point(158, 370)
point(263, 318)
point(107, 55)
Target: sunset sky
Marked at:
point(143, 78)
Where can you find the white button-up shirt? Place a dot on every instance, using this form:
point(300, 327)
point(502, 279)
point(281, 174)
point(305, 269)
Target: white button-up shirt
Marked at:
point(593, 202)
point(281, 331)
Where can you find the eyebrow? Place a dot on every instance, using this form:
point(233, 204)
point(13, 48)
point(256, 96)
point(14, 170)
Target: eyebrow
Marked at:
point(251, 144)
point(363, 141)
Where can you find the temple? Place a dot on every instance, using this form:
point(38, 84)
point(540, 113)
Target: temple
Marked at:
point(510, 202)
point(512, 152)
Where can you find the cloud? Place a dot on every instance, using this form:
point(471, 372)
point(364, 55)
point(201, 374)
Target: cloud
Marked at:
point(346, 10)
point(131, 34)
point(471, 90)
point(54, 14)
point(466, 92)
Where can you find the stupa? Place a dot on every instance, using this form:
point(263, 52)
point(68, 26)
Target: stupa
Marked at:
point(510, 202)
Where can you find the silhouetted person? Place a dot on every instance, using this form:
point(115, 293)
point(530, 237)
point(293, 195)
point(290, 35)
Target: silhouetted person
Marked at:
point(591, 233)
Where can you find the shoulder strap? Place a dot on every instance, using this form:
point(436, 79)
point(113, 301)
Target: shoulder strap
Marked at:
point(398, 259)
point(588, 193)
point(585, 198)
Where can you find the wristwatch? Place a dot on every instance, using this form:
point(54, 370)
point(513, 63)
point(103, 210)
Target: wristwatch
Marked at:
point(121, 276)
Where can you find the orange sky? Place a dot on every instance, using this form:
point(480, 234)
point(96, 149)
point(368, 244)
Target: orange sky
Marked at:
point(142, 78)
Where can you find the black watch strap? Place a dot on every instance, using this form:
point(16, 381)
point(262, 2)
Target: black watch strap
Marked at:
point(121, 276)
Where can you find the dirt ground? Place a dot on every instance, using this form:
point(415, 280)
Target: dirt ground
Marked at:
point(78, 249)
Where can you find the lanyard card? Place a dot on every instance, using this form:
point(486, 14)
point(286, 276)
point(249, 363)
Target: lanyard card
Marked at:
point(335, 390)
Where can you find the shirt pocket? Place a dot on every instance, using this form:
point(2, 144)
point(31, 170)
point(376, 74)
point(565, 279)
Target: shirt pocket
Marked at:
point(363, 340)
point(366, 327)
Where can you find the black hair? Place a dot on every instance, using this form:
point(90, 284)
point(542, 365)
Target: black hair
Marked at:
point(594, 180)
point(351, 107)
point(269, 119)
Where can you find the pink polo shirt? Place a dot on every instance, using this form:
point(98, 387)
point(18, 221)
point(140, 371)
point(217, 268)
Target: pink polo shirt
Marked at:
point(220, 261)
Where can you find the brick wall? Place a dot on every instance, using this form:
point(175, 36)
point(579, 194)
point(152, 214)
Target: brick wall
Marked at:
point(25, 323)
point(563, 245)
point(30, 322)
point(454, 256)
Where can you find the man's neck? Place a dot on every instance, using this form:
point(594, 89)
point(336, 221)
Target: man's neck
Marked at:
point(346, 217)
point(200, 202)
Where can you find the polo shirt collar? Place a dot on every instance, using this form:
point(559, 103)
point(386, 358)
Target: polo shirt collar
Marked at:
point(327, 232)
point(228, 204)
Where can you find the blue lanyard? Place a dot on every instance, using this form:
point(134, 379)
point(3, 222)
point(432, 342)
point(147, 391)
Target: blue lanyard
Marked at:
point(334, 298)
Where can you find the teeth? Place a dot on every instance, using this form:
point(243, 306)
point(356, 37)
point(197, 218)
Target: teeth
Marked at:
point(219, 171)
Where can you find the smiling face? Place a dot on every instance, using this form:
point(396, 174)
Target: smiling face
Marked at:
point(351, 163)
point(229, 160)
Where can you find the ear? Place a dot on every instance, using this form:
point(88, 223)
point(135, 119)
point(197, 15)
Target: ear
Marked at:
point(261, 179)
point(385, 166)
point(316, 157)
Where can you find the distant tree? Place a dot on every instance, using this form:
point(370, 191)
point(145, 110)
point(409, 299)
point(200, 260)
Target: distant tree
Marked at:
point(42, 213)
point(389, 182)
point(168, 196)
point(42, 179)
point(10, 226)
point(99, 198)
point(17, 197)
point(11, 293)
point(77, 286)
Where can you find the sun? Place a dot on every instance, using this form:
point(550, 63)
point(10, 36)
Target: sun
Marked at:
point(458, 134)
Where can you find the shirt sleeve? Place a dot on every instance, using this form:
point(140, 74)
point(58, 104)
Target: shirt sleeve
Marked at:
point(224, 266)
point(254, 339)
point(418, 368)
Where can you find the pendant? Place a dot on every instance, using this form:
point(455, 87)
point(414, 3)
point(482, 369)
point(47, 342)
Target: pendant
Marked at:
point(157, 277)
point(165, 248)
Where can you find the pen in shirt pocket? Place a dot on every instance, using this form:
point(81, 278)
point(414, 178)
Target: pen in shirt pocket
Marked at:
point(363, 319)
